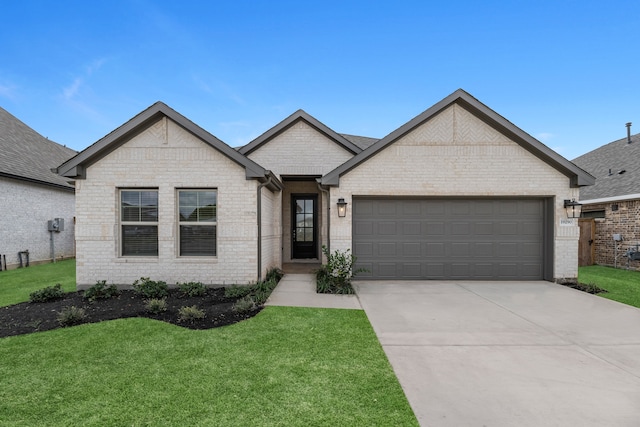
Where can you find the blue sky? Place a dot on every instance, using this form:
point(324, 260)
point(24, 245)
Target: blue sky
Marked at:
point(566, 72)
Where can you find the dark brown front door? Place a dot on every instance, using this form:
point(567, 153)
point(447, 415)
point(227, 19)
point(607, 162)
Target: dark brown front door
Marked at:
point(304, 242)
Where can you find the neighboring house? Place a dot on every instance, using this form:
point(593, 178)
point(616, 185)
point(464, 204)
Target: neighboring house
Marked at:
point(32, 195)
point(614, 201)
point(457, 193)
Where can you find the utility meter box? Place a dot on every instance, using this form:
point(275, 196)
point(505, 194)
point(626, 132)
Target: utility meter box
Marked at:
point(56, 224)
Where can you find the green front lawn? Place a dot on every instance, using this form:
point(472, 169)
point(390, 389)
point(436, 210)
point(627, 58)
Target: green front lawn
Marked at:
point(621, 285)
point(286, 366)
point(16, 285)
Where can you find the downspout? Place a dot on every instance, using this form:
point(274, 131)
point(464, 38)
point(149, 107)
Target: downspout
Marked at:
point(328, 218)
point(264, 184)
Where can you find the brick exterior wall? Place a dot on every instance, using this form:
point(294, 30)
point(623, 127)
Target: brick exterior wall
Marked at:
point(167, 157)
point(626, 222)
point(300, 150)
point(25, 210)
point(456, 154)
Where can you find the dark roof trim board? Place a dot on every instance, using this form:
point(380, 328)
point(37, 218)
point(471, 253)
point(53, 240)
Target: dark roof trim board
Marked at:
point(68, 188)
point(292, 120)
point(75, 167)
point(578, 177)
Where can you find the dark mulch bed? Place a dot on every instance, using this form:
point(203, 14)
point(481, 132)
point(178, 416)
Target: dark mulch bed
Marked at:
point(584, 287)
point(25, 318)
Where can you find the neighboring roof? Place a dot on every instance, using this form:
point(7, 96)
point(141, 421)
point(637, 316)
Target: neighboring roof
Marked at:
point(290, 121)
point(617, 156)
point(28, 156)
point(76, 167)
point(363, 142)
point(578, 177)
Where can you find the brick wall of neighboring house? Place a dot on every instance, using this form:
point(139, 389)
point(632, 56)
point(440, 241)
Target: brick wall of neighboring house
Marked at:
point(25, 210)
point(456, 154)
point(624, 221)
point(167, 157)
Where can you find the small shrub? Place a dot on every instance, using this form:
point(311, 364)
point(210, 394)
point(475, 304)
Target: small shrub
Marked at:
point(71, 316)
point(101, 291)
point(274, 274)
point(262, 290)
point(156, 305)
point(335, 276)
point(236, 291)
point(244, 305)
point(192, 289)
point(190, 314)
point(49, 293)
point(147, 288)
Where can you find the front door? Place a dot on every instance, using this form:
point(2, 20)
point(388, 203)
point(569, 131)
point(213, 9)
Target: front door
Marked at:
point(304, 241)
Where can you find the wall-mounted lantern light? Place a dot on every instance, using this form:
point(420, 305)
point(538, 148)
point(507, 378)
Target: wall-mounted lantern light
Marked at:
point(342, 208)
point(573, 208)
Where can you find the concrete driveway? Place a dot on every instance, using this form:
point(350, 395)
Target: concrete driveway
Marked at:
point(508, 353)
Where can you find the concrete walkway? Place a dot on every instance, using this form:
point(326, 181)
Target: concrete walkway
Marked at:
point(299, 290)
point(508, 354)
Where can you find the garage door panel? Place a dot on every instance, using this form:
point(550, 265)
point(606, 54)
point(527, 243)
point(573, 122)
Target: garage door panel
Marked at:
point(387, 228)
point(411, 249)
point(483, 239)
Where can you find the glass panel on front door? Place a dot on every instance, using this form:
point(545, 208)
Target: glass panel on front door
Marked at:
point(304, 227)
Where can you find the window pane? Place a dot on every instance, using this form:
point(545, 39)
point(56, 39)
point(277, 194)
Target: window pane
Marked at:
point(207, 198)
point(140, 240)
point(207, 213)
point(148, 198)
point(130, 198)
point(130, 213)
point(188, 213)
point(299, 220)
point(197, 240)
point(308, 206)
point(299, 234)
point(300, 206)
point(149, 214)
point(308, 220)
point(188, 198)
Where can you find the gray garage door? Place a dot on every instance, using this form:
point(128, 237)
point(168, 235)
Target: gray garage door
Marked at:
point(463, 239)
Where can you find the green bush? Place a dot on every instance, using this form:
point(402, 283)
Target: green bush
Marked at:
point(274, 274)
point(71, 316)
point(148, 289)
point(49, 293)
point(155, 305)
point(101, 291)
point(244, 305)
point(190, 314)
point(192, 289)
point(236, 291)
point(261, 291)
point(335, 276)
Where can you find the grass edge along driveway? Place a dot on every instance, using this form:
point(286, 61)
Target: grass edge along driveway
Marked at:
point(286, 366)
point(621, 285)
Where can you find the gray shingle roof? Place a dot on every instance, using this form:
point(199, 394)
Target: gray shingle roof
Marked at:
point(618, 156)
point(27, 155)
point(363, 142)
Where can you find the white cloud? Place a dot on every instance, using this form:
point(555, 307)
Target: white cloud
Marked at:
point(7, 91)
point(70, 92)
point(545, 136)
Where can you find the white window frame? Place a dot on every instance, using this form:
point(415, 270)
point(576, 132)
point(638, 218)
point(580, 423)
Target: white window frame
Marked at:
point(122, 223)
point(198, 223)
